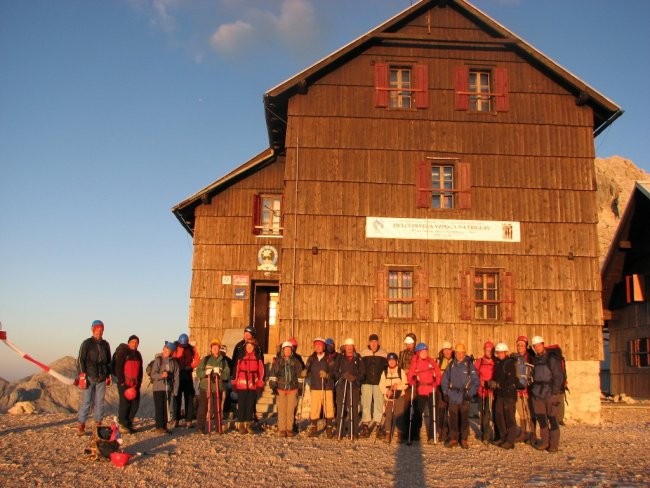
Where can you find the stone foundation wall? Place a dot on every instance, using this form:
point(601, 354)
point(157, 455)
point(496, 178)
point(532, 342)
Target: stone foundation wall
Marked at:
point(584, 396)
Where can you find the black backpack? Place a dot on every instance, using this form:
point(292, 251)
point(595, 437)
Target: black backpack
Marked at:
point(120, 348)
point(150, 367)
point(555, 351)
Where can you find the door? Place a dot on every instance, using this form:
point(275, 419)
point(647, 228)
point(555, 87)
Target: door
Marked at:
point(265, 314)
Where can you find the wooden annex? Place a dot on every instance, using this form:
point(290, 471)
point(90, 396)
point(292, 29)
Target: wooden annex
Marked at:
point(435, 175)
point(626, 298)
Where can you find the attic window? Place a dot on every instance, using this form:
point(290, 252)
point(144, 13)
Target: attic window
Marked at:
point(267, 215)
point(481, 90)
point(401, 86)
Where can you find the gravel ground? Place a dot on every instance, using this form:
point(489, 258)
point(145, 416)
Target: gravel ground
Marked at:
point(44, 450)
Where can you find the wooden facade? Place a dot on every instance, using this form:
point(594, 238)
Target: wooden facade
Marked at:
point(626, 298)
point(339, 154)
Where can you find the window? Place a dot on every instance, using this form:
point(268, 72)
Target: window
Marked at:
point(639, 352)
point(401, 86)
point(401, 292)
point(267, 215)
point(480, 99)
point(443, 183)
point(481, 90)
point(487, 294)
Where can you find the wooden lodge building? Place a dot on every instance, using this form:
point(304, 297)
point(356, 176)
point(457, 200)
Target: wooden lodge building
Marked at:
point(435, 175)
point(626, 298)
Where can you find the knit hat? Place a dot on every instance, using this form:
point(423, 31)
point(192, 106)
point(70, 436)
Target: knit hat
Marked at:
point(373, 337)
point(133, 336)
point(522, 338)
point(97, 323)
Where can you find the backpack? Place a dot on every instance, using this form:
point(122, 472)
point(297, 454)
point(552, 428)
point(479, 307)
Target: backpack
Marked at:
point(120, 348)
point(150, 367)
point(555, 351)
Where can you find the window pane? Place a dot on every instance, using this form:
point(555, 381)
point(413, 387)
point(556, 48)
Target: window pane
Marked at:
point(400, 294)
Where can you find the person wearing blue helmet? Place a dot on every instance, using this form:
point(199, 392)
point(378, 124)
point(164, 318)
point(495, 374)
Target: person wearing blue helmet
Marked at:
point(165, 380)
point(188, 359)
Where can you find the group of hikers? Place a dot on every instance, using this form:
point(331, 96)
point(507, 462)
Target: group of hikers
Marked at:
point(358, 393)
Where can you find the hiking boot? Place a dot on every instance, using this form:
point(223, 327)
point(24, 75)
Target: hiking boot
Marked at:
point(497, 442)
point(464, 444)
point(540, 446)
point(522, 437)
point(81, 428)
point(451, 443)
point(381, 434)
point(188, 424)
point(291, 433)
point(312, 431)
point(365, 431)
point(251, 430)
point(431, 440)
point(329, 432)
point(553, 449)
point(282, 433)
point(507, 445)
point(241, 427)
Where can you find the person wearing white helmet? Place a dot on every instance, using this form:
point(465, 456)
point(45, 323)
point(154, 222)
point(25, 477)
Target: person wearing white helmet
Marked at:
point(285, 373)
point(546, 390)
point(504, 384)
point(321, 389)
point(406, 354)
point(348, 371)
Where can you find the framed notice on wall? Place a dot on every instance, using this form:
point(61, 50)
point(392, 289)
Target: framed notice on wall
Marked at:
point(236, 309)
point(240, 280)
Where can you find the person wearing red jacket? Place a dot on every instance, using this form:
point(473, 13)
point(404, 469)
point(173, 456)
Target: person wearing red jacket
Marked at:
point(248, 380)
point(188, 359)
point(485, 368)
point(424, 376)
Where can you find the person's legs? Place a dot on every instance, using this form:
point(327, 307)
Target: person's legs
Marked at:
point(100, 392)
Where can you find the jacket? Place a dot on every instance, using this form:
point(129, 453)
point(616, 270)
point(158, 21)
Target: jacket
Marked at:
point(505, 377)
point(548, 376)
point(94, 359)
point(128, 366)
point(240, 351)
point(249, 373)
point(161, 365)
point(405, 358)
point(187, 357)
point(374, 363)
point(314, 368)
point(393, 382)
point(213, 362)
point(347, 368)
point(524, 372)
point(484, 368)
point(424, 374)
point(286, 372)
point(460, 381)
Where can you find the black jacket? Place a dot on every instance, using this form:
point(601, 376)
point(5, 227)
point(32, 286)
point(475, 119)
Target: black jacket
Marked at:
point(348, 369)
point(314, 367)
point(94, 359)
point(548, 376)
point(505, 376)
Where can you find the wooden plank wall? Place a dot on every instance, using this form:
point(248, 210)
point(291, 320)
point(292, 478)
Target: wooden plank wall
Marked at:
point(532, 164)
point(630, 322)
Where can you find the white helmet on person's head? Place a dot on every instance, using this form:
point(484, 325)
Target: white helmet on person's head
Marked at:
point(536, 340)
point(348, 342)
point(501, 347)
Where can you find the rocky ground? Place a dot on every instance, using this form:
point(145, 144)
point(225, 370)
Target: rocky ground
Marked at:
point(44, 450)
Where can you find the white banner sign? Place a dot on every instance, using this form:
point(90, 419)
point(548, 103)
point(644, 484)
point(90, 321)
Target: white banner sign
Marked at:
point(442, 229)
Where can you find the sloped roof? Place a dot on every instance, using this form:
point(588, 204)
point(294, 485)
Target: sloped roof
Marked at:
point(276, 99)
point(614, 263)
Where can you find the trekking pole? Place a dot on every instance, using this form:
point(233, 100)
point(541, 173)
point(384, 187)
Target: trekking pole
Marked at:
point(435, 428)
point(392, 421)
point(345, 390)
point(490, 413)
point(299, 414)
point(208, 415)
point(381, 422)
point(351, 413)
point(408, 442)
point(217, 401)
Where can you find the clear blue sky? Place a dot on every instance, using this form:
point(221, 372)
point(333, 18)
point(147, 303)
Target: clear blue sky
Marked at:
point(111, 112)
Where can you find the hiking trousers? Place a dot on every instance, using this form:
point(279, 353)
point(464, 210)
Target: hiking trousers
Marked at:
point(459, 421)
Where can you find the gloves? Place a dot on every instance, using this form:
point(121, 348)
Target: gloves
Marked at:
point(273, 383)
point(323, 374)
point(217, 371)
point(83, 382)
point(109, 381)
point(301, 381)
point(349, 377)
point(467, 397)
point(274, 390)
point(445, 398)
point(303, 373)
point(208, 371)
point(493, 385)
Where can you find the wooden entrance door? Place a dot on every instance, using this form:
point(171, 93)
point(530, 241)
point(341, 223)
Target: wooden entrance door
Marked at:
point(265, 314)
